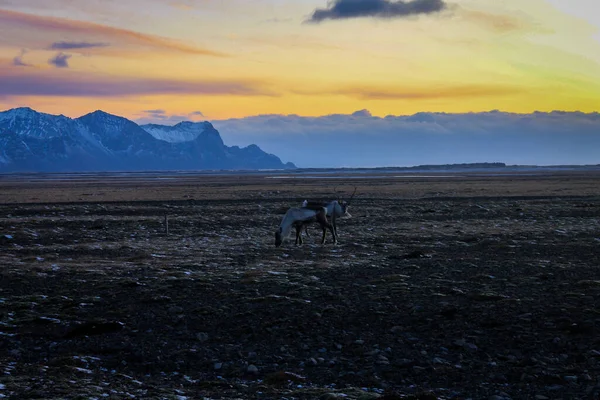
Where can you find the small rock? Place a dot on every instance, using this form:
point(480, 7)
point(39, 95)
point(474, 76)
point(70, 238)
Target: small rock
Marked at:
point(175, 310)
point(252, 369)
point(202, 336)
point(404, 362)
point(368, 396)
point(329, 396)
point(312, 361)
point(541, 397)
point(570, 379)
point(382, 360)
point(284, 377)
point(218, 365)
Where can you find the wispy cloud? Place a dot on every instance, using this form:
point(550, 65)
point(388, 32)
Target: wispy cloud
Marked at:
point(18, 60)
point(22, 22)
point(345, 9)
point(60, 60)
point(78, 84)
point(501, 23)
point(76, 45)
point(164, 118)
point(276, 20)
point(155, 112)
point(417, 93)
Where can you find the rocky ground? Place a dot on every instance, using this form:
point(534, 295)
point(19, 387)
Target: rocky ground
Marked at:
point(440, 288)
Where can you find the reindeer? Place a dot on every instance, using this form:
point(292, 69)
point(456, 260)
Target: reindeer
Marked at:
point(335, 209)
point(299, 218)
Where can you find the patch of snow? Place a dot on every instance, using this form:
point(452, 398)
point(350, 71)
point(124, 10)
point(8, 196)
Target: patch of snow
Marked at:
point(183, 132)
point(86, 134)
point(84, 370)
point(49, 319)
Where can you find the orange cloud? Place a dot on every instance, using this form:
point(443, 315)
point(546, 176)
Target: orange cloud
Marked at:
point(54, 83)
point(82, 30)
point(501, 23)
point(424, 93)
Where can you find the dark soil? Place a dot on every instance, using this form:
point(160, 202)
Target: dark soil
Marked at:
point(483, 288)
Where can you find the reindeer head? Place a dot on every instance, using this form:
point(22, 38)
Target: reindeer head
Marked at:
point(345, 204)
point(279, 237)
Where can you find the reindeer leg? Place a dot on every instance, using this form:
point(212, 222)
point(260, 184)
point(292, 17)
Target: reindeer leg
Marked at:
point(322, 219)
point(333, 233)
point(298, 234)
point(333, 220)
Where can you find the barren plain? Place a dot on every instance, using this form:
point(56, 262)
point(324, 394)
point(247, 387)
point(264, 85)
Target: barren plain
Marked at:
point(442, 286)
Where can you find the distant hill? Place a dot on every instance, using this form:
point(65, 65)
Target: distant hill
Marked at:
point(31, 141)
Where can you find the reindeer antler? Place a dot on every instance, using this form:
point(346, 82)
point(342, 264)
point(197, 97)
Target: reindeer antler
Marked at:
point(351, 197)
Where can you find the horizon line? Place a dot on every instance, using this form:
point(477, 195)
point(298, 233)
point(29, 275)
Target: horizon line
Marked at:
point(364, 113)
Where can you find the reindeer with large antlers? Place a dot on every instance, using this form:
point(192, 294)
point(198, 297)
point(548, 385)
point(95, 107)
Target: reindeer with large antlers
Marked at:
point(335, 209)
point(299, 218)
point(311, 212)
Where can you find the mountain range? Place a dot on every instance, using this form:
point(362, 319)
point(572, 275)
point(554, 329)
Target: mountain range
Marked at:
point(31, 141)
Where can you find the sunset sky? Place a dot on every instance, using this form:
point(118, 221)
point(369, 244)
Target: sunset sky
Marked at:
point(209, 59)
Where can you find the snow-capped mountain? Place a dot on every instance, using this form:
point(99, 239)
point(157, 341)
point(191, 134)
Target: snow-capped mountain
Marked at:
point(182, 132)
point(30, 123)
point(33, 141)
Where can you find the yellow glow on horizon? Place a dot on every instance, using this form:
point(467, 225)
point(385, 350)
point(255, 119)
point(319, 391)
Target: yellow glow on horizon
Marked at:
point(478, 56)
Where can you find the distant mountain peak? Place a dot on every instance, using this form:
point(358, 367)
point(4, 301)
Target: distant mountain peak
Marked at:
point(102, 114)
point(21, 112)
point(185, 131)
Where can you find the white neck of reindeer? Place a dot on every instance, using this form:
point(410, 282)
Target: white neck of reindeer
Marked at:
point(286, 225)
point(335, 207)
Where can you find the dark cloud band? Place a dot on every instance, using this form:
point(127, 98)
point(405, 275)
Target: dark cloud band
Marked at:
point(344, 9)
point(75, 45)
point(55, 83)
point(61, 60)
